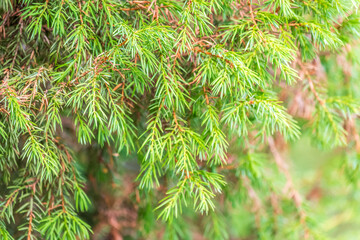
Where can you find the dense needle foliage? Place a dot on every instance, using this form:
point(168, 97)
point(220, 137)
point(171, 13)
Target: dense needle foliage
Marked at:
point(195, 97)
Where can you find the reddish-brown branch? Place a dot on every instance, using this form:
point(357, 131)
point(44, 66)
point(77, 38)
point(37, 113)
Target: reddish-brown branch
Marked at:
point(257, 205)
point(30, 225)
point(62, 201)
point(206, 96)
point(307, 75)
point(132, 9)
point(175, 119)
point(162, 103)
point(31, 214)
point(123, 91)
point(197, 50)
point(32, 186)
point(252, 13)
point(80, 11)
point(313, 90)
point(289, 187)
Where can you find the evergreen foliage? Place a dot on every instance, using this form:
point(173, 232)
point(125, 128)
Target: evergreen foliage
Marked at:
point(199, 92)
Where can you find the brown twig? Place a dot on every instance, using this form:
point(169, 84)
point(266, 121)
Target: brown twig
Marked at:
point(206, 96)
point(197, 49)
point(289, 187)
point(257, 205)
